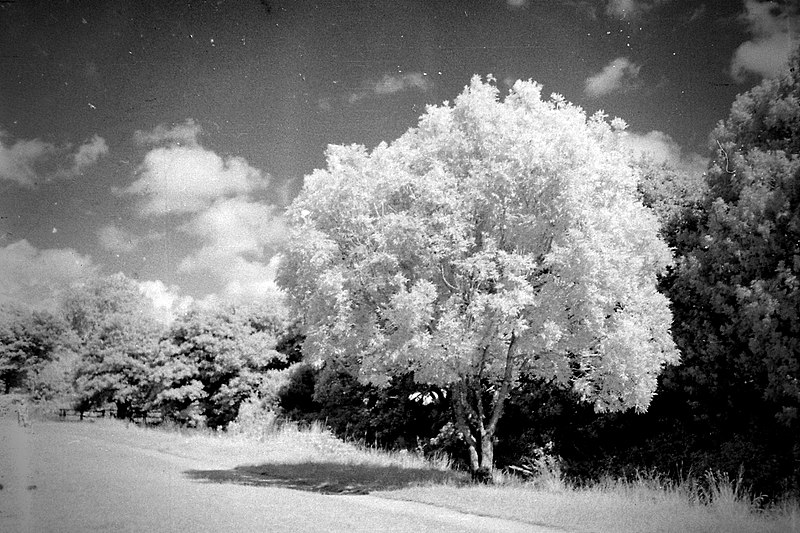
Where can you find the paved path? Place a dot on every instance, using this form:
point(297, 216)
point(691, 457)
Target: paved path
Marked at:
point(65, 477)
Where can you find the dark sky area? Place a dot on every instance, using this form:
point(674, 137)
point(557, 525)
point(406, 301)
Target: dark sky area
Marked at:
point(162, 139)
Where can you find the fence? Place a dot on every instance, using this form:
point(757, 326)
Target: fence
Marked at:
point(147, 418)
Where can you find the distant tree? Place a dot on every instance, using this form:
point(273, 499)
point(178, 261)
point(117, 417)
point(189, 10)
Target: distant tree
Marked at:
point(675, 196)
point(495, 239)
point(29, 340)
point(211, 360)
point(118, 337)
point(736, 290)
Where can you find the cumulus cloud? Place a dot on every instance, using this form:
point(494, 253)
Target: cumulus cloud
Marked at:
point(237, 236)
point(188, 178)
point(115, 239)
point(185, 133)
point(18, 160)
point(89, 152)
point(775, 29)
point(167, 300)
point(662, 148)
point(33, 277)
point(392, 84)
point(29, 162)
point(240, 238)
point(238, 226)
point(619, 74)
point(249, 280)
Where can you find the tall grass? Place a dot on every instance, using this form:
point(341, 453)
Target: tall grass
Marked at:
point(292, 442)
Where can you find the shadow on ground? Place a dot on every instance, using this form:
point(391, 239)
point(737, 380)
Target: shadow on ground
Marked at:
point(327, 478)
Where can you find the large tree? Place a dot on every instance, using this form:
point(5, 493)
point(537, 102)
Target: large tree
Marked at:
point(497, 238)
point(736, 290)
point(118, 334)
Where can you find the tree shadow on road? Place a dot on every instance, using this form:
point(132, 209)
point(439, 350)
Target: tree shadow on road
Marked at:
point(328, 477)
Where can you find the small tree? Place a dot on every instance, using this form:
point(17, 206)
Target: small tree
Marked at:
point(495, 239)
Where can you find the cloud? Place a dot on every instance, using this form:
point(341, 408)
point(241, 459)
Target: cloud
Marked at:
point(116, 239)
point(236, 236)
point(88, 153)
point(240, 238)
point(19, 161)
point(187, 179)
point(30, 162)
point(392, 84)
point(697, 13)
point(184, 133)
point(517, 3)
point(167, 301)
point(631, 9)
point(618, 74)
point(238, 226)
point(663, 149)
point(34, 278)
point(775, 29)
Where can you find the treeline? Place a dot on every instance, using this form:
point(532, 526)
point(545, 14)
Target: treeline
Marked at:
point(731, 405)
point(104, 347)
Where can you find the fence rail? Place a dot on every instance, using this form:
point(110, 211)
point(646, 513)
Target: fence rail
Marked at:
point(140, 417)
point(65, 413)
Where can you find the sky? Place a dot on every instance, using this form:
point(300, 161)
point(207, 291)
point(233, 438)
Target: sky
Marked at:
point(164, 139)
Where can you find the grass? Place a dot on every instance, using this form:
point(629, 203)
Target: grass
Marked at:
point(270, 452)
point(313, 459)
point(621, 508)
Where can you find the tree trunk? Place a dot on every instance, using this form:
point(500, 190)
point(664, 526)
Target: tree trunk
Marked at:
point(479, 441)
point(476, 425)
point(487, 451)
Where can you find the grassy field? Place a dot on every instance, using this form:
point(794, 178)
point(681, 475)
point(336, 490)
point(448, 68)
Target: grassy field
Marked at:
point(311, 459)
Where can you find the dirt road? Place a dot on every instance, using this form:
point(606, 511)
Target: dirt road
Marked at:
point(78, 477)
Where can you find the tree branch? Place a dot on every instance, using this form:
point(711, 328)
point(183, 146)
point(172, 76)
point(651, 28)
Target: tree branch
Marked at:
point(460, 406)
point(501, 394)
point(726, 159)
point(441, 269)
point(478, 392)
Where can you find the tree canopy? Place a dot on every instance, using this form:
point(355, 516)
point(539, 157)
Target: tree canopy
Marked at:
point(210, 360)
point(118, 337)
point(496, 238)
point(737, 289)
point(29, 340)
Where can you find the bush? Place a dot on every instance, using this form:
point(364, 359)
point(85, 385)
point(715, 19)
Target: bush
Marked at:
point(404, 415)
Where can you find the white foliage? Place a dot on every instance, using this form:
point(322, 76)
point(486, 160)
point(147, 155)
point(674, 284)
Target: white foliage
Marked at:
point(491, 227)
